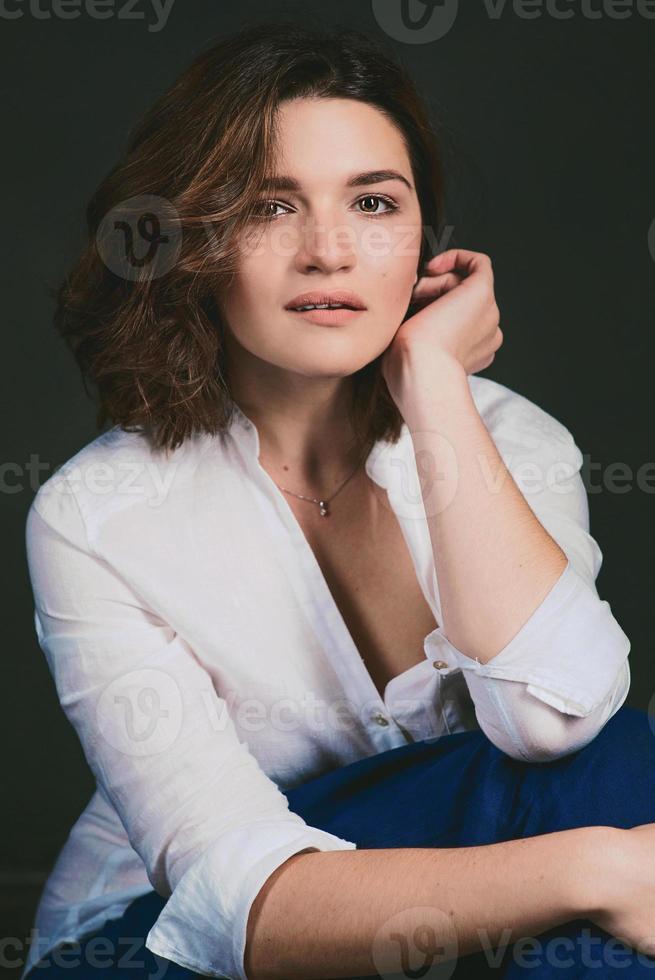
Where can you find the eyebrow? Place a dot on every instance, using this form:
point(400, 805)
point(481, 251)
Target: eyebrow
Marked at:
point(283, 183)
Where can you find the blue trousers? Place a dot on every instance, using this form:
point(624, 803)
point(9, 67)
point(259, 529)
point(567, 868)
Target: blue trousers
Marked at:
point(455, 791)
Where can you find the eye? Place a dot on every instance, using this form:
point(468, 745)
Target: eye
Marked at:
point(261, 206)
point(392, 206)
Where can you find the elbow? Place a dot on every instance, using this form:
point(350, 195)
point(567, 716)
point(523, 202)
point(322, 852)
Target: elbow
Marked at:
point(547, 738)
point(534, 738)
point(537, 732)
point(529, 730)
point(556, 745)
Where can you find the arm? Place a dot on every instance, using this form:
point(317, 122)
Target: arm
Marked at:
point(515, 568)
point(495, 561)
point(208, 823)
point(367, 906)
point(543, 656)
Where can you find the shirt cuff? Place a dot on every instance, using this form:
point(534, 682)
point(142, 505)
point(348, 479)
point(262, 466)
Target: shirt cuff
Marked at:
point(568, 652)
point(203, 924)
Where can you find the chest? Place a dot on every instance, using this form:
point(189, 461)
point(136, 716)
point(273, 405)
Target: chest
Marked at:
point(369, 571)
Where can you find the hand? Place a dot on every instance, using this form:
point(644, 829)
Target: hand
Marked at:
point(458, 319)
point(625, 895)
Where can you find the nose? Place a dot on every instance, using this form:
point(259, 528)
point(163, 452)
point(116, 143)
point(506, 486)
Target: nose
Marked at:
point(327, 244)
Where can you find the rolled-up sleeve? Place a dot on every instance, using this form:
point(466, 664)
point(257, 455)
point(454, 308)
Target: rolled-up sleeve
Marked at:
point(208, 823)
point(555, 684)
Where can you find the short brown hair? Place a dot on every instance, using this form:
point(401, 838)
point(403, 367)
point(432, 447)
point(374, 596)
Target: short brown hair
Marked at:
point(151, 344)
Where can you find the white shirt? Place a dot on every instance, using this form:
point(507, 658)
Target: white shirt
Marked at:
point(204, 664)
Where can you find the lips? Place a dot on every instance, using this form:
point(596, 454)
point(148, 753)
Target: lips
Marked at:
point(344, 297)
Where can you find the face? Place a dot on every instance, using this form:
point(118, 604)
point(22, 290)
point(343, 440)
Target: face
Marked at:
point(328, 233)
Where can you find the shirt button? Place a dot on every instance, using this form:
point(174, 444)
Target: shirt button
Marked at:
point(439, 664)
point(381, 720)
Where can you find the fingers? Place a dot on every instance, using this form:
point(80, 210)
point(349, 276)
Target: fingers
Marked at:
point(460, 258)
point(434, 286)
point(490, 357)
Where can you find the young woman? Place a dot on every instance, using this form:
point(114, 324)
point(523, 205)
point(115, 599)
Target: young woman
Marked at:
point(320, 604)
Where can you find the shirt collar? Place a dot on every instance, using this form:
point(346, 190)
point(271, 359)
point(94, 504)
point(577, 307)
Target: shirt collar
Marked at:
point(393, 467)
point(388, 464)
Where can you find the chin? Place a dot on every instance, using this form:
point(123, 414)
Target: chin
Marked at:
point(332, 364)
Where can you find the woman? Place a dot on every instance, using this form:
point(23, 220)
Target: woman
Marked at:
point(236, 585)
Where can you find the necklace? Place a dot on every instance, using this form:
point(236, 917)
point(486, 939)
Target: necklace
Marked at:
point(323, 504)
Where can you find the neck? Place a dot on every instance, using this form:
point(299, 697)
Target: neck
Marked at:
point(305, 434)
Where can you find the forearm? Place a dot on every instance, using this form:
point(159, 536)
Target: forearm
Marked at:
point(323, 914)
point(491, 553)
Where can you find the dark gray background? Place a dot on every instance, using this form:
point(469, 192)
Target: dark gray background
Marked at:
point(548, 129)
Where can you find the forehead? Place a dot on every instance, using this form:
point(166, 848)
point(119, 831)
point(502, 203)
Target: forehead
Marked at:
point(335, 137)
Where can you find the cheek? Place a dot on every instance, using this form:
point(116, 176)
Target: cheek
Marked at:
point(395, 285)
point(252, 290)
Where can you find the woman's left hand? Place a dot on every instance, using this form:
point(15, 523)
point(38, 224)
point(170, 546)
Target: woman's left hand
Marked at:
point(459, 321)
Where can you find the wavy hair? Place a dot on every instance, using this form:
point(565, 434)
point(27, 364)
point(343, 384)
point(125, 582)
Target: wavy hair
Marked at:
point(147, 334)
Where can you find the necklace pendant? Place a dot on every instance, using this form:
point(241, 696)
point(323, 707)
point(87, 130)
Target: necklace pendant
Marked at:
point(324, 508)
